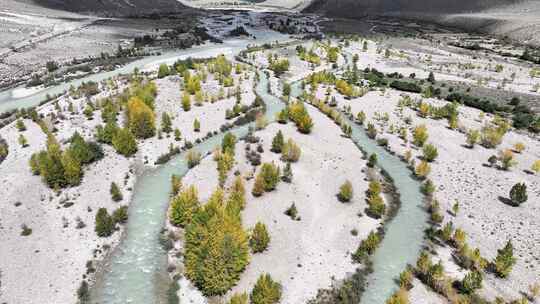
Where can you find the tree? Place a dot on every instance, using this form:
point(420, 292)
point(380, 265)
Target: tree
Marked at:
point(505, 260)
point(455, 208)
point(20, 125)
point(287, 173)
point(193, 158)
point(361, 117)
point(472, 137)
point(399, 297)
point(184, 206)
point(104, 223)
point(259, 238)
point(270, 176)
point(72, 168)
point(228, 143)
point(518, 194)
point(536, 166)
point(186, 102)
point(116, 194)
point(258, 186)
point(430, 152)
point(239, 299)
point(290, 151)
point(420, 135)
point(23, 141)
point(345, 192)
point(106, 134)
point(265, 291)
point(124, 142)
point(120, 215)
point(163, 70)
point(196, 125)
point(507, 159)
point(177, 134)
point(519, 147)
point(166, 124)
point(431, 77)
point(84, 152)
point(422, 170)
point(140, 118)
point(216, 247)
point(277, 142)
point(372, 161)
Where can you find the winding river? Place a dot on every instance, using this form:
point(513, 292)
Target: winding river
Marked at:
point(403, 238)
point(136, 272)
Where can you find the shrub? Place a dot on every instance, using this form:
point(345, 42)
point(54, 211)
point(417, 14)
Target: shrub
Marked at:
point(265, 291)
point(428, 187)
point(104, 223)
point(166, 124)
point(184, 206)
point(26, 231)
point(345, 192)
point(258, 186)
point(259, 238)
point(186, 102)
point(430, 152)
point(299, 115)
point(83, 293)
point(406, 86)
point(115, 192)
point(196, 125)
point(518, 194)
point(20, 125)
point(290, 151)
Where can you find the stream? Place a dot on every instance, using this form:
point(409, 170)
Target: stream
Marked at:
point(404, 234)
point(137, 273)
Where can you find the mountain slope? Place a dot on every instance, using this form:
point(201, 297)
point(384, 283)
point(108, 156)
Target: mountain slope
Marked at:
point(114, 7)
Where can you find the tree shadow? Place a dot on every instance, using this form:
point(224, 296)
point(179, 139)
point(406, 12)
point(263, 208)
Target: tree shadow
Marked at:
point(506, 201)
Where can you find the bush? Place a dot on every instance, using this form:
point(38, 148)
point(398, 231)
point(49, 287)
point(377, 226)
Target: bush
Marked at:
point(259, 238)
point(265, 291)
point(376, 207)
point(430, 152)
point(292, 212)
point(345, 192)
point(518, 194)
point(290, 151)
point(372, 161)
point(104, 223)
